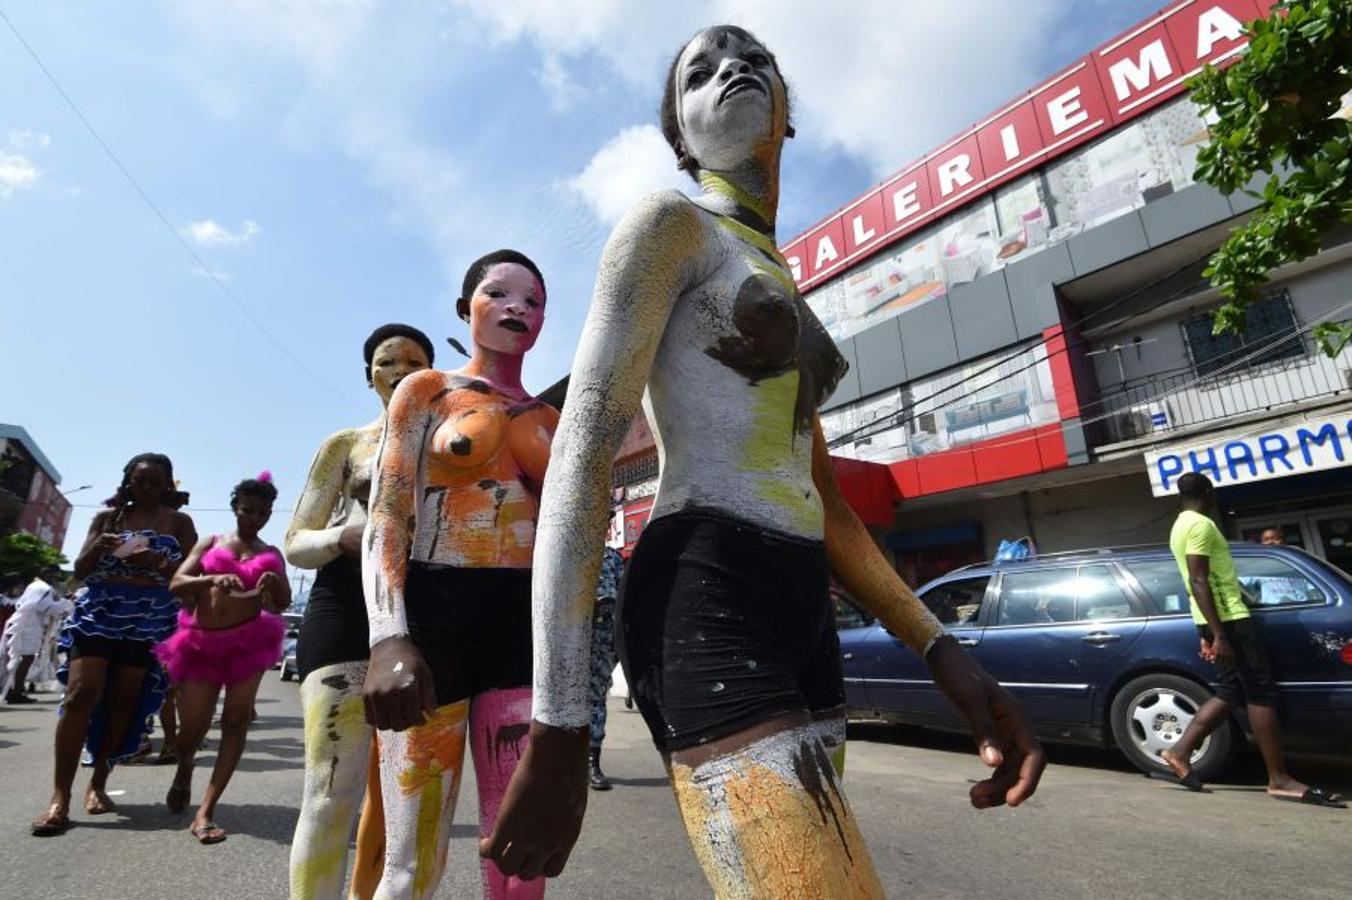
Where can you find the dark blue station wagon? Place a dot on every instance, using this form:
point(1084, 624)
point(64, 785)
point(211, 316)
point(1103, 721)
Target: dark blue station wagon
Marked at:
point(1100, 648)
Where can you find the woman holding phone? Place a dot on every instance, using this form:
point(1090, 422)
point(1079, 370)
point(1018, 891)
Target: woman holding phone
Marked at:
point(113, 679)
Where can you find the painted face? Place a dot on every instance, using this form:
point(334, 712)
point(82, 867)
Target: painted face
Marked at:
point(148, 484)
point(251, 514)
point(731, 100)
point(507, 310)
point(395, 359)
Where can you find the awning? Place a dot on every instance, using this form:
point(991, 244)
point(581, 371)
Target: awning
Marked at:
point(869, 489)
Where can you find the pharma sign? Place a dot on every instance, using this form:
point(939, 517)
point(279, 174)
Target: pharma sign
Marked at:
point(1117, 82)
point(1256, 456)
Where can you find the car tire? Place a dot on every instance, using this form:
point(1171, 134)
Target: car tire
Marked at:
point(1150, 713)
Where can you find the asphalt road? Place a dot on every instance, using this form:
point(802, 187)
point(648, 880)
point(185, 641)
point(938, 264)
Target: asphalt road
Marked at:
point(1096, 829)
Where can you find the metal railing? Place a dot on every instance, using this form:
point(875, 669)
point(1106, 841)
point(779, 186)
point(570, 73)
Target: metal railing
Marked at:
point(1177, 399)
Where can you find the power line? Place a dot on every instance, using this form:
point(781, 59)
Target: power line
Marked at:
point(164, 220)
point(898, 418)
point(1256, 351)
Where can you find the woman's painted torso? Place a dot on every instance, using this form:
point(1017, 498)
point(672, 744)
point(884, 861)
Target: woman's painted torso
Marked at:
point(478, 492)
point(740, 370)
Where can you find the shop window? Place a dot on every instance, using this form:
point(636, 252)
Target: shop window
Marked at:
point(957, 602)
point(1268, 321)
point(1268, 581)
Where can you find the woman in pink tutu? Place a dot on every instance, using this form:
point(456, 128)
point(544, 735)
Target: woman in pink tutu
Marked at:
point(233, 588)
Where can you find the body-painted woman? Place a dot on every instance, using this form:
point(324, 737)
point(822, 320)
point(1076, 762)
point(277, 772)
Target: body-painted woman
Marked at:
point(447, 568)
point(727, 636)
point(325, 534)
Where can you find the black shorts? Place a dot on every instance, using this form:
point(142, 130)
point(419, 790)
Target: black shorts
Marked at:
point(471, 625)
point(724, 625)
point(1249, 680)
point(334, 628)
point(118, 652)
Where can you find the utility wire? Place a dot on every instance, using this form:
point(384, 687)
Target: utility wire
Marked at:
point(1256, 351)
point(164, 220)
point(899, 418)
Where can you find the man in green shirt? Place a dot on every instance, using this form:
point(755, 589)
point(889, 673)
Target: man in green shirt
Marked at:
point(1230, 638)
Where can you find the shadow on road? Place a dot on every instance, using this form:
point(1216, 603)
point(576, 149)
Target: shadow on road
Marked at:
point(265, 821)
point(1245, 773)
point(639, 782)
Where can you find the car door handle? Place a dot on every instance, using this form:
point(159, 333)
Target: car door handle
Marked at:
point(1099, 638)
point(967, 642)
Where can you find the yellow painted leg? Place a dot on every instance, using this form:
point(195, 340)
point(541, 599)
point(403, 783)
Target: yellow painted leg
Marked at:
point(337, 748)
point(419, 777)
point(369, 863)
point(768, 821)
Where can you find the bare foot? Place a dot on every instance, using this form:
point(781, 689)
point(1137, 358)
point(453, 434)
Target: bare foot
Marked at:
point(1287, 788)
point(179, 796)
point(98, 803)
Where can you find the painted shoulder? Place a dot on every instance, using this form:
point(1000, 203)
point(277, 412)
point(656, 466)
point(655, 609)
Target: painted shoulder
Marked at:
point(338, 442)
point(663, 214)
point(420, 388)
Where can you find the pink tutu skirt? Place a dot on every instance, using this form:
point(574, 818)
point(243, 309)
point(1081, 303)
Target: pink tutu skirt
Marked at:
point(222, 656)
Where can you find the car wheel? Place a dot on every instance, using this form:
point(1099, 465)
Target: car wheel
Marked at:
point(1150, 714)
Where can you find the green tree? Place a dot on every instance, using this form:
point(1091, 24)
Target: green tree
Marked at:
point(23, 555)
point(1277, 111)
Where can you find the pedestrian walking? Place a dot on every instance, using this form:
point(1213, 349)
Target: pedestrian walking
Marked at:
point(1232, 640)
point(726, 631)
point(22, 639)
point(462, 461)
point(233, 589)
point(113, 681)
point(334, 645)
point(602, 661)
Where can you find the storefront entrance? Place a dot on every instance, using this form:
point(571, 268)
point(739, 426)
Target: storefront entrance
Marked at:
point(1325, 533)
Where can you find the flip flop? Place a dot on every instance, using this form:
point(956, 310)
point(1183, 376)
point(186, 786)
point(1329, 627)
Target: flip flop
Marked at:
point(48, 825)
point(1191, 781)
point(208, 833)
point(1314, 796)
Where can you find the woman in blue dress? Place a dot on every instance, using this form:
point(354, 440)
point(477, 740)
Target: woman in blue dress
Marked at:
point(112, 679)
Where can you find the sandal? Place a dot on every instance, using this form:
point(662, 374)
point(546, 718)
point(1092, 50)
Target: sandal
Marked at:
point(1313, 796)
point(208, 833)
point(166, 755)
point(50, 824)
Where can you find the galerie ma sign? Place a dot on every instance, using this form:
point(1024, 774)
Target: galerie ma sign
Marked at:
point(1237, 459)
point(1129, 75)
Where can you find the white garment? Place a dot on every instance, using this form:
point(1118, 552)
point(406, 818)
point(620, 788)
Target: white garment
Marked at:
point(23, 630)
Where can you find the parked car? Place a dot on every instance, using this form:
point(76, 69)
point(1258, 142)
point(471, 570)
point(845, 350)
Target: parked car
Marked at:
point(1100, 648)
point(289, 668)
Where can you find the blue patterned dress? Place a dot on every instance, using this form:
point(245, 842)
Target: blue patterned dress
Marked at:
point(126, 612)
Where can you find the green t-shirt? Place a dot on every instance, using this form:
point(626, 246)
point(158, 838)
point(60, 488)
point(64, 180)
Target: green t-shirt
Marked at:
point(1194, 534)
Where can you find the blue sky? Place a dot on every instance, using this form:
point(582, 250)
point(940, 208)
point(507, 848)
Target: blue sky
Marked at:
point(339, 163)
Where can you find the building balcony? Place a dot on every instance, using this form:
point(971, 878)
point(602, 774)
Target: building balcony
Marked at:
point(1168, 405)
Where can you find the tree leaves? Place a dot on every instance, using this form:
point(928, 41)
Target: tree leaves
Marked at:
point(1275, 112)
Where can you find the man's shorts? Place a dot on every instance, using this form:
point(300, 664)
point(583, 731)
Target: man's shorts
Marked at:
point(1248, 680)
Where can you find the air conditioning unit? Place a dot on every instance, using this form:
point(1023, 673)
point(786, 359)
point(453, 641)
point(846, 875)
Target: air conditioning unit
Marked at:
point(1143, 419)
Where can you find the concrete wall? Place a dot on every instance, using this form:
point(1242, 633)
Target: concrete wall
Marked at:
point(1161, 347)
point(1109, 512)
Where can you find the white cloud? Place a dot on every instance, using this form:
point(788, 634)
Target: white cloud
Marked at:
point(558, 83)
point(635, 162)
point(24, 138)
point(209, 233)
point(884, 80)
point(17, 173)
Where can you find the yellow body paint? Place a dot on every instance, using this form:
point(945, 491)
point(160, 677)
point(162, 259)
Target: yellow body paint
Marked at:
point(770, 821)
point(433, 750)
